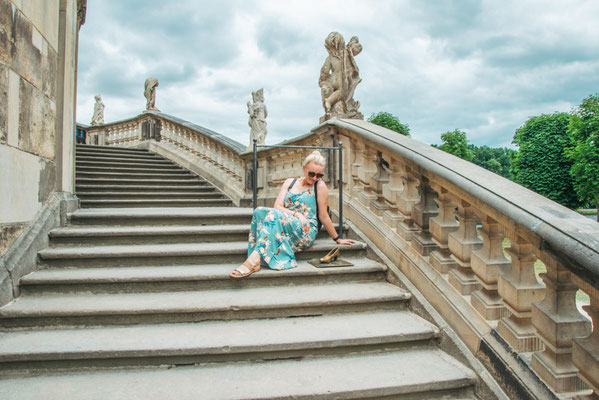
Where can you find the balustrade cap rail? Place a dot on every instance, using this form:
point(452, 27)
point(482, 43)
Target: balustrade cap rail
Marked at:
point(237, 147)
point(571, 238)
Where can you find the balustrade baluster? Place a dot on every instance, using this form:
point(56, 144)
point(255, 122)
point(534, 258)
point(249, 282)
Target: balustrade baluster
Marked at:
point(391, 192)
point(378, 182)
point(408, 198)
point(558, 321)
point(585, 351)
point(365, 173)
point(440, 227)
point(462, 243)
point(424, 210)
point(488, 263)
point(519, 287)
point(357, 160)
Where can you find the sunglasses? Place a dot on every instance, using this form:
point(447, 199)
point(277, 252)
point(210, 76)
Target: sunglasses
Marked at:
point(312, 174)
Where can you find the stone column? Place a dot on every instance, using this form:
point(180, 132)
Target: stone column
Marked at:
point(558, 322)
point(440, 227)
point(378, 182)
point(518, 288)
point(406, 202)
point(488, 263)
point(461, 244)
point(391, 192)
point(585, 351)
point(365, 173)
point(423, 212)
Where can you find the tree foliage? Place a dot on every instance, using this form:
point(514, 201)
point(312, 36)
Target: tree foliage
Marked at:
point(390, 121)
point(583, 152)
point(494, 159)
point(456, 143)
point(540, 164)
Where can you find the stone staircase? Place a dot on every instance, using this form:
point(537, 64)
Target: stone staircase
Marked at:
point(136, 303)
point(127, 177)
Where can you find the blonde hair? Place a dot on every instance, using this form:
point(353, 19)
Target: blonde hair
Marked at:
point(314, 157)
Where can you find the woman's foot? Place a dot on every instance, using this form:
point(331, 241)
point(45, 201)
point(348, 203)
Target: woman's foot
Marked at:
point(245, 269)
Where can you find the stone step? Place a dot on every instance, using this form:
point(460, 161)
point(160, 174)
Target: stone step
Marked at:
point(134, 175)
point(110, 149)
point(189, 277)
point(200, 187)
point(109, 156)
point(125, 159)
point(106, 164)
point(212, 341)
point(117, 168)
point(87, 309)
point(174, 253)
point(154, 202)
point(406, 374)
point(101, 235)
point(161, 216)
point(130, 195)
point(158, 182)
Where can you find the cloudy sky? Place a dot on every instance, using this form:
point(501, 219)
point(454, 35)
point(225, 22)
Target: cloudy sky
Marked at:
point(480, 66)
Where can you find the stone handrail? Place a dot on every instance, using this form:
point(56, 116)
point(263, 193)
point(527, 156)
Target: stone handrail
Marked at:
point(443, 222)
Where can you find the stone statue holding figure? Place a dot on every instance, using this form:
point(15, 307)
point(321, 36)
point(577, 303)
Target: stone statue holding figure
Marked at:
point(150, 93)
point(98, 117)
point(257, 121)
point(339, 77)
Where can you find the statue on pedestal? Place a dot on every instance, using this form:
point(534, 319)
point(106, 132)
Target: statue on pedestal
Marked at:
point(257, 120)
point(339, 77)
point(150, 93)
point(98, 117)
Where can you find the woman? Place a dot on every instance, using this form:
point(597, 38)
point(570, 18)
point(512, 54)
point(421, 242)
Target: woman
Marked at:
point(276, 233)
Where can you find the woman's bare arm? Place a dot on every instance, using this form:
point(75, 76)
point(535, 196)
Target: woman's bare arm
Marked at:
point(323, 215)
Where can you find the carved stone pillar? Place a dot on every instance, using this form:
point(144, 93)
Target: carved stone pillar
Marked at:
point(461, 244)
point(558, 321)
point(357, 160)
point(519, 287)
point(391, 192)
point(488, 263)
point(406, 202)
point(378, 182)
point(365, 174)
point(440, 227)
point(585, 351)
point(423, 212)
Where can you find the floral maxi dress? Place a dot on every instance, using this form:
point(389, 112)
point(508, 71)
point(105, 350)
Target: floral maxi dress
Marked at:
point(277, 235)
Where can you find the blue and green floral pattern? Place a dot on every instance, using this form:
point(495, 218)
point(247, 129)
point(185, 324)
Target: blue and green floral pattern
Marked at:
point(277, 235)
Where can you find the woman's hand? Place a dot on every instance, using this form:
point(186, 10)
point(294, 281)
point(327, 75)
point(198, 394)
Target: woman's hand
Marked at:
point(345, 241)
point(304, 221)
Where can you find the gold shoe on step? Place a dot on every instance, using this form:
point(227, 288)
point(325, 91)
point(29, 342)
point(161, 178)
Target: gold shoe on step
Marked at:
point(331, 256)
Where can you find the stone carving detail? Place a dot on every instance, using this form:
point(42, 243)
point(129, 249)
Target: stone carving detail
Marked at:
point(150, 93)
point(98, 117)
point(339, 77)
point(257, 121)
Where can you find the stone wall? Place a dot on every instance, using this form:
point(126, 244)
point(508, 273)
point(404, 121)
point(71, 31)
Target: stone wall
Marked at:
point(36, 37)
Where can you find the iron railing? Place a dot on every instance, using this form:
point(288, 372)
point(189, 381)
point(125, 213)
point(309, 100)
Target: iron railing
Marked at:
point(339, 148)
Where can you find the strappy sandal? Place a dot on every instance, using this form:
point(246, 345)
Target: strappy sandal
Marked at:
point(251, 269)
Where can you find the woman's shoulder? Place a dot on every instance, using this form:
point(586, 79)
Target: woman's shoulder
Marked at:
point(321, 184)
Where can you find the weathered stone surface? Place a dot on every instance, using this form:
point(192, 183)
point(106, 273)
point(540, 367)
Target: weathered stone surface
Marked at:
point(27, 44)
point(3, 103)
point(36, 124)
point(8, 234)
point(6, 22)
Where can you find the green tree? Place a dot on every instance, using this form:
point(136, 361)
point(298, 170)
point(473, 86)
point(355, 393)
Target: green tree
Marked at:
point(456, 143)
point(540, 164)
point(583, 129)
point(390, 121)
point(495, 159)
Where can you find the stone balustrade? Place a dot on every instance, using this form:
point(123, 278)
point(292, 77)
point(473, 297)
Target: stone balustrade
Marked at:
point(442, 223)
